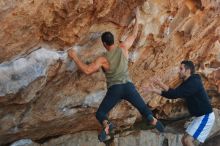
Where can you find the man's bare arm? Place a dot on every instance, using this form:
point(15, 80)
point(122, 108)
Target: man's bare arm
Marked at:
point(87, 69)
point(131, 38)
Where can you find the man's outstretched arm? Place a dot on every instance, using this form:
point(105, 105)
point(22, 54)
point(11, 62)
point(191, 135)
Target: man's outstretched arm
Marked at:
point(182, 91)
point(87, 69)
point(130, 39)
point(158, 82)
point(152, 89)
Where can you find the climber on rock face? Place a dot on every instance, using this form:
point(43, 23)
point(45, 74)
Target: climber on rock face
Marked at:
point(197, 100)
point(115, 66)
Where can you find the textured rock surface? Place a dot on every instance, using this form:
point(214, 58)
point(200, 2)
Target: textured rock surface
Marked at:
point(133, 137)
point(145, 138)
point(42, 94)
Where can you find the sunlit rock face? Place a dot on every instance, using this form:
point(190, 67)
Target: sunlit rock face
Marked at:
point(42, 93)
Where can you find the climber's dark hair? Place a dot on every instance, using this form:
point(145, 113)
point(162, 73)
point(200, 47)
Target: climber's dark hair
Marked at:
point(198, 4)
point(108, 38)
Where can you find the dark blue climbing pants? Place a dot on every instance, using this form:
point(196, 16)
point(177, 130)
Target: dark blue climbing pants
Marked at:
point(115, 94)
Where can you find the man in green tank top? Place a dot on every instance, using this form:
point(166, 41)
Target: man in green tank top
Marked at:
point(115, 66)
